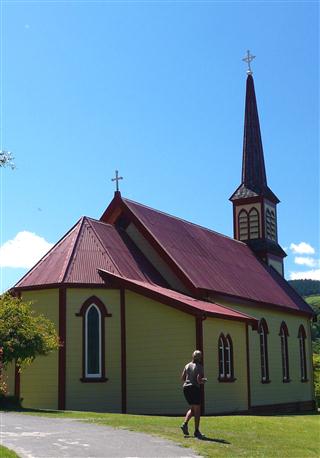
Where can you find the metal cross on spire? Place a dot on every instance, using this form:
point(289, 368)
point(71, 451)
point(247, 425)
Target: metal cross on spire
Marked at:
point(249, 58)
point(117, 179)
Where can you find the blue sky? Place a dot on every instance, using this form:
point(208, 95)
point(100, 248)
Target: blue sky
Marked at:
point(156, 90)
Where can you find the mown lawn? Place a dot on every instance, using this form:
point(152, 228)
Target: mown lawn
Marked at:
point(5, 453)
point(227, 436)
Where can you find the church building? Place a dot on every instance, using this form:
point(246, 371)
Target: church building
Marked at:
point(134, 293)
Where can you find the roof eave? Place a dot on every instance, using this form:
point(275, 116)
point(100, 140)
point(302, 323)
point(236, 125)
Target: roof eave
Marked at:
point(176, 303)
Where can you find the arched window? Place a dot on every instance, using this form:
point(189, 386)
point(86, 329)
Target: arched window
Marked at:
point(243, 223)
point(254, 232)
point(225, 356)
point(271, 224)
point(284, 352)
point(93, 313)
point(263, 333)
point(303, 360)
point(93, 356)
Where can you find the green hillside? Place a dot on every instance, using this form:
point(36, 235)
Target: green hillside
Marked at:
point(306, 287)
point(314, 302)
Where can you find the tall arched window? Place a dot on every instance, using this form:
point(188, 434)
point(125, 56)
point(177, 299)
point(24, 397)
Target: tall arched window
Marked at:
point(303, 360)
point(271, 224)
point(93, 313)
point(243, 223)
point(225, 356)
point(254, 224)
point(93, 356)
point(264, 363)
point(284, 352)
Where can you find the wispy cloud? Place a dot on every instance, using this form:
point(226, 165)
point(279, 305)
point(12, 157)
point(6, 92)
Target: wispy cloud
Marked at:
point(24, 250)
point(302, 248)
point(313, 274)
point(306, 261)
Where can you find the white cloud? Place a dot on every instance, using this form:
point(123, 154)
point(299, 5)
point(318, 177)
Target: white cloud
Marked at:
point(24, 250)
point(313, 274)
point(306, 261)
point(302, 248)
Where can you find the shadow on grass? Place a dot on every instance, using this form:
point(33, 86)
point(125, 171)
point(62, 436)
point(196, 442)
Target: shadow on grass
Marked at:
point(210, 439)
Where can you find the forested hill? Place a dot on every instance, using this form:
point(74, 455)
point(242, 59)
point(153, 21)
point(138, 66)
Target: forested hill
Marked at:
point(310, 290)
point(306, 287)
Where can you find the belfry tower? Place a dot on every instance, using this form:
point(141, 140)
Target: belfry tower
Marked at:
point(254, 204)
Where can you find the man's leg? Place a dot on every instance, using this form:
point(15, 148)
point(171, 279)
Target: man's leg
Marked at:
point(189, 415)
point(197, 413)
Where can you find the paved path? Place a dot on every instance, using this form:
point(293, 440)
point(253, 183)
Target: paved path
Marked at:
point(43, 437)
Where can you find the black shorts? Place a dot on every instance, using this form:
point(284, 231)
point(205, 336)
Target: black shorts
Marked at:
point(192, 394)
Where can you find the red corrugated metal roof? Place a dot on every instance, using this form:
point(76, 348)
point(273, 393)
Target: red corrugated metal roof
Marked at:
point(165, 294)
point(214, 262)
point(90, 245)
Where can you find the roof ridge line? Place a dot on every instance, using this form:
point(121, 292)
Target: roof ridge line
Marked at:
point(102, 244)
point(162, 247)
point(89, 218)
point(184, 221)
point(41, 260)
point(72, 250)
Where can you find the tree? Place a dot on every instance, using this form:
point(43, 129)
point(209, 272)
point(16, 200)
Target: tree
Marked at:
point(24, 335)
point(6, 159)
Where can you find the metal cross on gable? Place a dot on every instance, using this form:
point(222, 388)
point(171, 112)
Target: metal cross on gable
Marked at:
point(249, 58)
point(117, 179)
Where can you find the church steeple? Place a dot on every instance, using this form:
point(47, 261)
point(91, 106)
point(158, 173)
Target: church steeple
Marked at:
point(253, 168)
point(254, 204)
point(254, 178)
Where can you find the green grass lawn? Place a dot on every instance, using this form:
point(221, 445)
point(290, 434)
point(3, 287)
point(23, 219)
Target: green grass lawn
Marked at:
point(5, 453)
point(227, 436)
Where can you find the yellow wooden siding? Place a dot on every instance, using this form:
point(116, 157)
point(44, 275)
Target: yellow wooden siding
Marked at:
point(39, 381)
point(219, 396)
point(9, 377)
point(160, 341)
point(277, 392)
point(105, 396)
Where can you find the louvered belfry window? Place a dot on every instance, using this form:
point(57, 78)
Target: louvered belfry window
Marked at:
point(254, 224)
point(271, 224)
point(243, 225)
point(302, 348)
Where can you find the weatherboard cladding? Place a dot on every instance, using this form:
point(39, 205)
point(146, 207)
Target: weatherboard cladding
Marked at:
point(215, 262)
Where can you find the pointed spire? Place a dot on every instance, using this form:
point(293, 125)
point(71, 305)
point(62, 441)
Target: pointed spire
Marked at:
point(253, 168)
point(254, 178)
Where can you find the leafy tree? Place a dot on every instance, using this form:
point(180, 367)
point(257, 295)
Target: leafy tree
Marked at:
point(316, 375)
point(24, 335)
point(6, 159)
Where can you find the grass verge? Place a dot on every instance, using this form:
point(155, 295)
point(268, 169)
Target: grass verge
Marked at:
point(227, 436)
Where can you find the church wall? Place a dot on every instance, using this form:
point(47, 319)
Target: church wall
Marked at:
point(93, 396)
point(39, 381)
point(160, 341)
point(154, 258)
point(221, 396)
point(278, 392)
point(9, 378)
